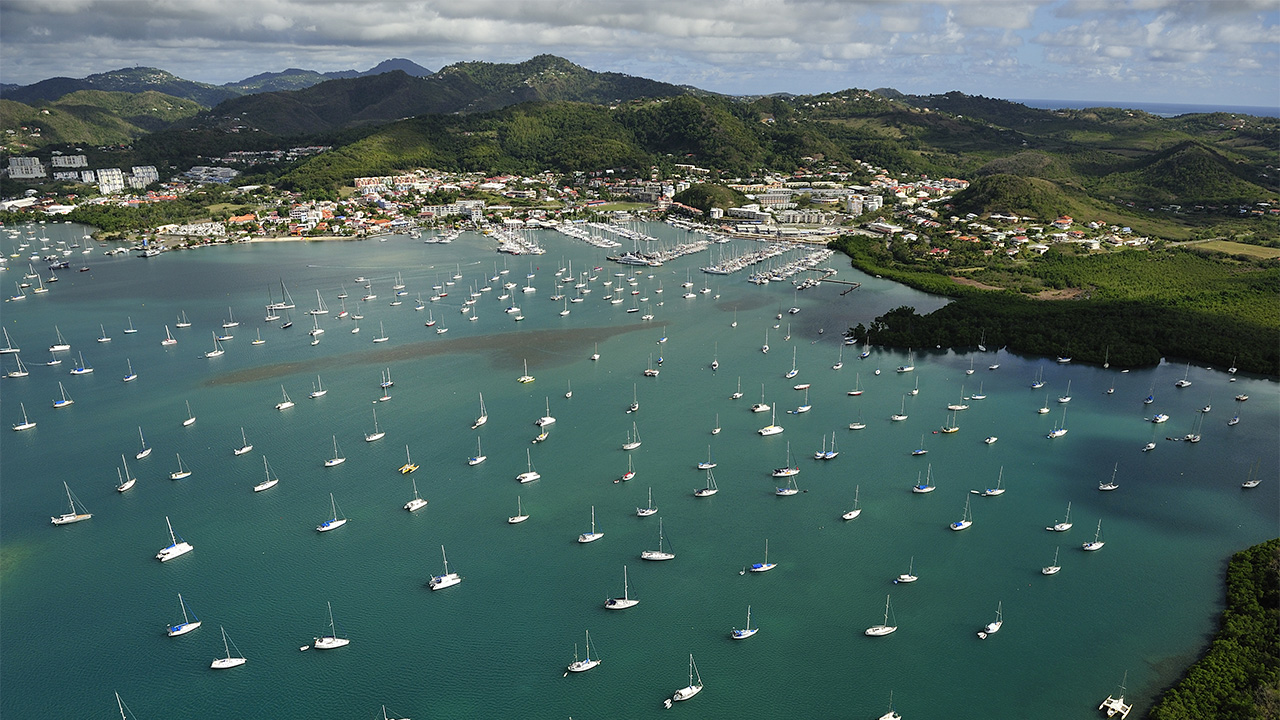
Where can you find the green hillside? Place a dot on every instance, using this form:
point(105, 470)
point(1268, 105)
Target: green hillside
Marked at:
point(92, 117)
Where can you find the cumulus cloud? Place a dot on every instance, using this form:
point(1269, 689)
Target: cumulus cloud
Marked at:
point(1020, 48)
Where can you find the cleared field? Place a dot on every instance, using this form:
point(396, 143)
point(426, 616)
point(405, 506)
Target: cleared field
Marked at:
point(1235, 248)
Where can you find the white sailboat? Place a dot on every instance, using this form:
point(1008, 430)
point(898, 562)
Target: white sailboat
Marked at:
point(334, 522)
point(633, 438)
point(1096, 543)
point(708, 463)
point(187, 624)
point(790, 489)
point(902, 411)
point(318, 390)
point(330, 641)
point(787, 470)
point(1066, 396)
point(993, 627)
point(773, 428)
point(257, 340)
point(417, 503)
point(529, 475)
point(746, 631)
point(103, 338)
point(885, 628)
point(231, 321)
point(547, 419)
point(269, 481)
point(909, 576)
point(765, 566)
point(966, 520)
point(1060, 430)
point(658, 554)
point(382, 334)
point(692, 688)
point(60, 344)
point(710, 489)
point(377, 434)
point(1053, 568)
point(1065, 525)
point(1111, 484)
point(856, 511)
point(217, 348)
point(592, 536)
point(526, 377)
point(520, 515)
point(130, 330)
point(126, 481)
point(479, 457)
point(72, 515)
point(630, 473)
point(998, 489)
point(626, 600)
point(285, 403)
point(244, 441)
point(83, 368)
point(320, 308)
point(176, 547)
point(738, 393)
point(337, 458)
point(649, 509)
point(224, 663)
point(927, 486)
point(793, 371)
point(8, 345)
point(446, 578)
point(26, 423)
point(577, 665)
point(1114, 706)
point(22, 371)
point(146, 449)
point(181, 472)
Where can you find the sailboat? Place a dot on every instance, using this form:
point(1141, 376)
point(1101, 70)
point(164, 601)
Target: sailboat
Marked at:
point(21, 372)
point(1112, 484)
point(710, 489)
point(993, 627)
point(577, 665)
point(526, 377)
point(187, 624)
point(765, 566)
point(334, 522)
point(376, 434)
point(596, 355)
point(692, 688)
point(715, 429)
point(920, 450)
point(479, 457)
point(417, 503)
point(8, 345)
point(285, 403)
point(738, 393)
point(337, 459)
point(909, 576)
point(182, 321)
point(790, 489)
point(626, 600)
point(885, 628)
point(231, 321)
point(658, 554)
point(520, 515)
point(805, 406)
point(592, 536)
point(318, 389)
point(61, 344)
point(765, 347)
point(1060, 430)
point(840, 360)
point(857, 385)
point(745, 632)
point(927, 486)
point(1053, 568)
point(103, 338)
point(1115, 705)
point(244, 442)
point(1184, 382)
point(1066, 396)
point(529, 475)
point(649, 509)
point(1253, 480)
point(910, 364)
point(546, 419)
point(26, 424)
point(71, 516)
point(181, 472)
point(228, 661)
point(856, 511)
point(83, 368)
point(445, 579)
point(269, 481)
point(902, 411)
point(709, 463)
point(1065, 525)
point(175, 548)
point(130, 330)
point(630, 473)
point(1096, 544)
point(330, 641)
point(633, 438)
point(217, 348)
point(569, 392)
point(258, 340)
point(126, 482)
point(146, 449)
point(382, 335)
point(635, 403)
point(966, 520)
point(787, 470)
point(773, 428)
point(321, 308)
point(760, 406)
point(793, 371)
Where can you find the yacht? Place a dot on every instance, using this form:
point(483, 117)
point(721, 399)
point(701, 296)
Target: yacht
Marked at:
point(176, 547)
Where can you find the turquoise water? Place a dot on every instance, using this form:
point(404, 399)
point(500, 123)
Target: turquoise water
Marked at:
point(86, 605)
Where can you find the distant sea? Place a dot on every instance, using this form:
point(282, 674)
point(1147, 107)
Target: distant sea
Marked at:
point(1161, 109)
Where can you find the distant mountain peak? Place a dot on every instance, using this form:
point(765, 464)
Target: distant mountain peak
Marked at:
point(408, 67)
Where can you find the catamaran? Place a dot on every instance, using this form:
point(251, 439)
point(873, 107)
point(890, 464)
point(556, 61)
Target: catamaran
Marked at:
point(526, 377)
point(445, 579)
point(417, 503)
point(176, 547)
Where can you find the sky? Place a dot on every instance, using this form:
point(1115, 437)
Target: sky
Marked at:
point(1212, 52)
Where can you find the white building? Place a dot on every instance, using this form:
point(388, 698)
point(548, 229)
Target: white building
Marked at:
point(110, 180)
point(25, 168)
point(69, 161)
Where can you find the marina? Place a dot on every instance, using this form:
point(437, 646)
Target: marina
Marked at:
point(264, 571)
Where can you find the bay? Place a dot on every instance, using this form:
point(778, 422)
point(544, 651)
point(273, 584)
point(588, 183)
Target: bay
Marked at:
point(88, 603)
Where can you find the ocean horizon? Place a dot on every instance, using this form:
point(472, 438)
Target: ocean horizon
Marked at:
point(1155, 108)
